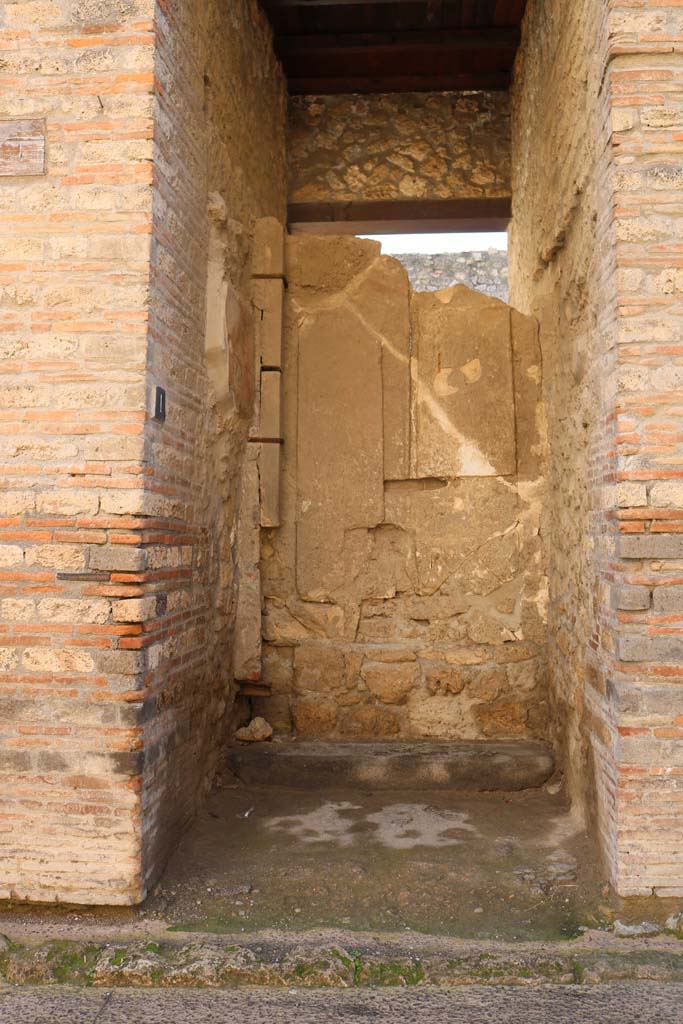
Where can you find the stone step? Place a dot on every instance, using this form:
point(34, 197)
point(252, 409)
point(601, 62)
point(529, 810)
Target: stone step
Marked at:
point(473, 766)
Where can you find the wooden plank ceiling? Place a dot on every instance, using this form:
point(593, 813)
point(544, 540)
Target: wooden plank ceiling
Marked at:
point(366, 46)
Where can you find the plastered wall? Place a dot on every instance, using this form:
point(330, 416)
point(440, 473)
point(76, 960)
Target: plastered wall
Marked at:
point(404, 591)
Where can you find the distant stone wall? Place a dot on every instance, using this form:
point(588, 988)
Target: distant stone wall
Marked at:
point(486, 272)
point(398, 146)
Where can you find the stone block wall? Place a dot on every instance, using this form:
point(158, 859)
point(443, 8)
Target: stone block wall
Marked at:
point(404, 589)
point(594, 255)
point(117, 531)
point(398, 146)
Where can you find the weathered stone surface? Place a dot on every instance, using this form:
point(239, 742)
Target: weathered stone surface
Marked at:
point(398, 146)
point(464, 416)
point(268, 248)
point(391, 683)
point(269, 456)
point(632, 598)
point(247, 639)
point(651, 648)
point(469, 766)
point(390, 584)
point(381, 299)
point(314, 716)
point(657, 545)
point(267, 296)
point(340, 427)
point(667, 600)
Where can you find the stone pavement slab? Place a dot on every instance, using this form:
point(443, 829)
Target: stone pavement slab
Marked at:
point(612, 1004)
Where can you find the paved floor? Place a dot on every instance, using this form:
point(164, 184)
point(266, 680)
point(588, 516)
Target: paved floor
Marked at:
point(608, 1004)
point(500, 866)
point(505, 866)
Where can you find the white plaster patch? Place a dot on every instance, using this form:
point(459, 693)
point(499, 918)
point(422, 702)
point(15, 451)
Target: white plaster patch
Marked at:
point(327, 824)
point(398, 826)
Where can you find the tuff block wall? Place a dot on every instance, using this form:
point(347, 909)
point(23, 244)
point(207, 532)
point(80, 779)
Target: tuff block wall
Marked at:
point(404, 589)
point(398, 146)
point(117, 531)
point(594, 255)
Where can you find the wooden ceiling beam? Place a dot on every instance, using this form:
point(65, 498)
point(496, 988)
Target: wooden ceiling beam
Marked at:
point(271, 5)
point(301, 85)
point(435, 40)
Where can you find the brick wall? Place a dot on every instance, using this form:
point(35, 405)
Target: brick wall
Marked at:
point(594, 255)
point(398, 146)
point(74, 266)
point(116, 539)
point(219, 149)
point(646, 90)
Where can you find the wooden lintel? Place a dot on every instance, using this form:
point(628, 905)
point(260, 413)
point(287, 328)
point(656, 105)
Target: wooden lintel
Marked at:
point(400, 216)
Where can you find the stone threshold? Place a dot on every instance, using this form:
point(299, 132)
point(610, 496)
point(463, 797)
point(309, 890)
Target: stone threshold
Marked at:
point(470, 766)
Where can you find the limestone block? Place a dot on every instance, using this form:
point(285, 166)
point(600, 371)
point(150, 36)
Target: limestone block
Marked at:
point(651, 648)
point(628, 598)
point(269, 483)
point(339, 427)
point(439, 717)
point(247, 641)
point(136, 609)
point(118, 558)
point(47, 659)
point(651, 545)
point(241, 353)
point(667, 494)
point(456, 527)
point(270, 421)
point(268, 251)
point(390, 683)
point(526, 365)
point(381, 299)
point(267, 296)
point(462, 373)
point(319, 264)
point(667, 600)
point(280, 627)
